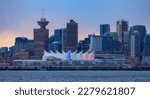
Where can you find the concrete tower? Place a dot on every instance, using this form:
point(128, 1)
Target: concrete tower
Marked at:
point(41, 38)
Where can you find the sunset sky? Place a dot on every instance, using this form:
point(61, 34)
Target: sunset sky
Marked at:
point(19, 17)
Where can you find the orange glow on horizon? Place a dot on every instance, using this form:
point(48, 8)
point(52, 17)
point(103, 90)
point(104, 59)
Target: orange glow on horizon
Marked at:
point(7, 39)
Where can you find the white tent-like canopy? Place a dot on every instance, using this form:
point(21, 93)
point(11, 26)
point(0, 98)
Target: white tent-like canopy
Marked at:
point(69, 55)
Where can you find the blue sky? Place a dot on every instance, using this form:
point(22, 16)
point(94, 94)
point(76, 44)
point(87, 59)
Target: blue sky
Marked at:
point(19, 17)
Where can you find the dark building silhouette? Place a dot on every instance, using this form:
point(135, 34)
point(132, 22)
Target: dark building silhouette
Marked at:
point(126, 41)
point(41, 38)
point(64, 39)
point(107, 44)
point(141, 32)
point(55, 46)
point(51, 39)
point(4, 51)
point(104, 28)
point(71, 36)
point(20, 43)
point(111, 43)
point(55, 41)
point(122, 26)
point(12, 50)
point(147, 45)
point(58, 35)
point(84, 45)
point(135, 44)
point(30, 45)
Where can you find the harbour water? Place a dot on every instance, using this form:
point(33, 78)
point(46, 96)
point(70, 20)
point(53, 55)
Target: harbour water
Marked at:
point(74, 76)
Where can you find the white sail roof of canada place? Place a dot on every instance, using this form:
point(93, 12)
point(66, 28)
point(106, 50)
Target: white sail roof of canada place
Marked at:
point(69, 55)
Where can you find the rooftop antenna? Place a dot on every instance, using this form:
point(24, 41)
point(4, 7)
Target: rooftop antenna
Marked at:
point(42, 13)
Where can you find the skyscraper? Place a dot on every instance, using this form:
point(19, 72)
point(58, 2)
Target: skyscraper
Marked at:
point(96, 43)
point(20, 44)
point(64, 40)
point(135, 44)
point(147, 45)
point(141, 30)
point(111, 42)
point(4, 52)
point(122, 27)
point(72, 36)
point(107, 44)
point(84, 45)
point(126, 43)
point(58, 35)
point(12, 50)
point(55, 43)
point(146, 58)
point(41, 38)
point(55, 47)
point(104, 28)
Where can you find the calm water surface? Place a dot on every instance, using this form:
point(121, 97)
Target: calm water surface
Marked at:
point(74, 76)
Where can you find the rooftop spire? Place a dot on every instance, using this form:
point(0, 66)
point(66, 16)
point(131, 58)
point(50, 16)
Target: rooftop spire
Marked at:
point(43, 22)
point(42, 13)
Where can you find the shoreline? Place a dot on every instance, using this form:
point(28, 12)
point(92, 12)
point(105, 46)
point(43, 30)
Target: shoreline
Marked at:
point(77, 69)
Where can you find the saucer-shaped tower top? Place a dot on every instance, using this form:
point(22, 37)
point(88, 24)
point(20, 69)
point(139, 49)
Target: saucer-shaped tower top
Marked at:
point(43, 23)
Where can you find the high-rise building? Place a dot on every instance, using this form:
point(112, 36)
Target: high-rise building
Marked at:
point(114, 35)
point(104, 28)
point(107, 44)
point(51, 39)
point(12, 50)
point(135, 44)
point(96, 43)
point(111, 42)
point(141, 30)
point(20, 43)
point(41, 38)
point(64, 40)
point(72, 36)
point(4, 51)
point(122, 27)
point(58, 35)
point(104, 44)
point(30, 45)
point(55, 46)
point(147, 45)
point(55, 41)
point(126, 42)
point(146, 57)
point(84, 45)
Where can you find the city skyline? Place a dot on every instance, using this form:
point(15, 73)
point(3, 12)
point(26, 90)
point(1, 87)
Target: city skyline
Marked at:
point(19, 19)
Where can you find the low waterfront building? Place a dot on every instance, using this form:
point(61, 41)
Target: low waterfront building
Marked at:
point(29, 63)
